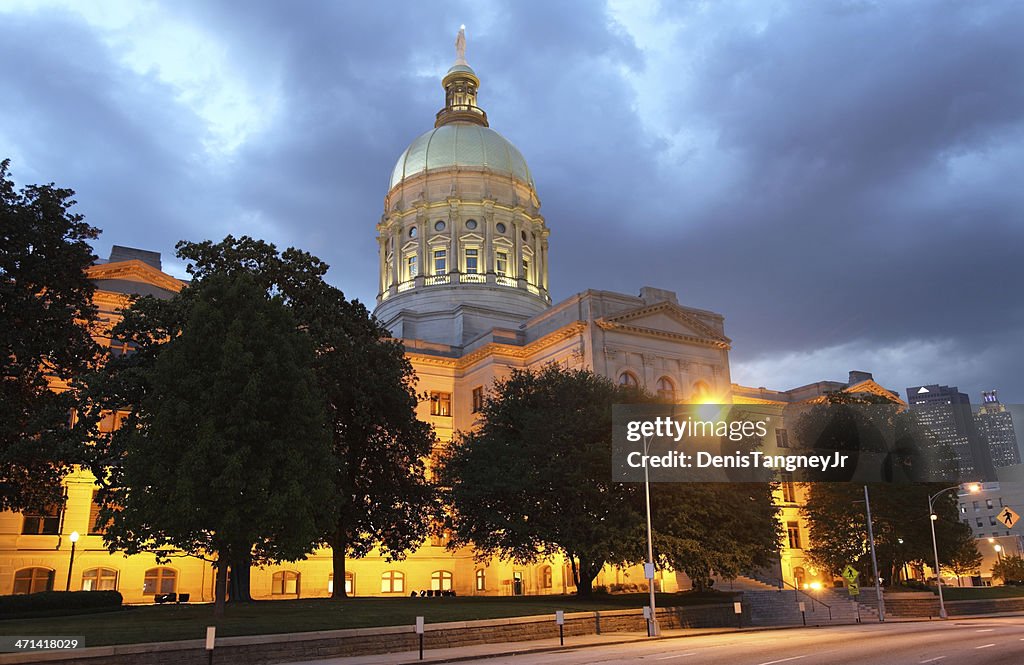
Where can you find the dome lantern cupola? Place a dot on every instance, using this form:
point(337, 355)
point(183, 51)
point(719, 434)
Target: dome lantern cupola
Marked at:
point(460, 87)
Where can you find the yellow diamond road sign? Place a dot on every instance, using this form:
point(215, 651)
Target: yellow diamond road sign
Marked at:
point(850, 574)
point(1007, 517)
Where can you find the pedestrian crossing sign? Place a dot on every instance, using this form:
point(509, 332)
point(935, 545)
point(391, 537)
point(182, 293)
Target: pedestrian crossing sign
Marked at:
point(1007, 517)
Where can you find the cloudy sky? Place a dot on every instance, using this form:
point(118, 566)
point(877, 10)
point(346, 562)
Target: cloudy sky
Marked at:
point(842, 180)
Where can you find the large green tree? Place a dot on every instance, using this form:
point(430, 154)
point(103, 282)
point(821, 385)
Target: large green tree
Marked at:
point(382, 498)
point(46, 312)
point(535, 479)
point(226, 450)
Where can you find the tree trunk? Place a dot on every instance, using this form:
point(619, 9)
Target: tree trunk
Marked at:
point(587, 573)
point(339, 544)
point(221, 586)
point(241, 575)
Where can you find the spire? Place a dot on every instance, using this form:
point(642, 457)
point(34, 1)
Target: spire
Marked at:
point(460, 86)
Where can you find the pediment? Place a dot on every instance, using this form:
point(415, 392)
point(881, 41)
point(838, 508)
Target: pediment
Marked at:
point(666, 320)
point(134, 271)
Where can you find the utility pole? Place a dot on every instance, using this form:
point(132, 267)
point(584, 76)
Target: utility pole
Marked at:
point(874, 559)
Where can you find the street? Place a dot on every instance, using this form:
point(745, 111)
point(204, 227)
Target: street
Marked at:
point(996, 641)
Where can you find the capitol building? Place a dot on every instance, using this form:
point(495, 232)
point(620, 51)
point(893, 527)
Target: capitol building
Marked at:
point(463, 282)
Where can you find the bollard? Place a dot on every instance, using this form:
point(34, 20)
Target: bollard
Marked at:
point(803, 612)
point(419, 630)
point(560, 620)
point(211, 636)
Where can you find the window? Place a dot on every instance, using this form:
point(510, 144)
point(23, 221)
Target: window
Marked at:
point(522, 234)
point(501, 263)
point(666, 390)
point(440, 261)
point(412, 232)
point(45, 522)
point(992, 520)
point(781, 438)
point(628, 379)
point(500, 227)
point(988, 504)
point(793, 531)
point(159, 580)
point(470, 224)
point(545, 577)
point(980, 522)
point(411, 267)
point(441, 404)
point(285, 583)
point(33, 580)
point(963, 507)
point(439, 226)
point(349, 583)
point(526, 268)
point(472, 261)
point(392, 581)
point(478, 399)
point(788, 488)
point(441, 580)
point(977, 506)
point(481, 580)
point(99, 579)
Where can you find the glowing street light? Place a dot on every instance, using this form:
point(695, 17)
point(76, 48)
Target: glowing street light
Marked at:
point(71, 564)
point(972, 488)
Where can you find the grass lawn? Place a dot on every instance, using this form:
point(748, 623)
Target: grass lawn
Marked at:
point(152, 623)
point(981, 593)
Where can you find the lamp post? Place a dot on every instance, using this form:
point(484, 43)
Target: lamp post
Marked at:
point(71, 564)
point(974, 487)
point(874, 559)
point(649, 566)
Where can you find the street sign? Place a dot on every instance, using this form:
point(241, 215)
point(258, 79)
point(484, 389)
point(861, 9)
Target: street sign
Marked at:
point(1007, 517)
point(850, 574)
point(853, 588)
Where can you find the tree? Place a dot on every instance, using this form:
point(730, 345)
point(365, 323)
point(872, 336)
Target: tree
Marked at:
point(46, 312)
point(1009, 569)
point(382, 498)
point(965, 559)
point(226, 451)
point(534, 479)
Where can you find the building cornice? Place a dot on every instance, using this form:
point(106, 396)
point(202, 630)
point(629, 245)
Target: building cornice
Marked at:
point(498, 349)
point(135, 270)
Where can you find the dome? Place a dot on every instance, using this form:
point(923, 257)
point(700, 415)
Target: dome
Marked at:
point(461, 144)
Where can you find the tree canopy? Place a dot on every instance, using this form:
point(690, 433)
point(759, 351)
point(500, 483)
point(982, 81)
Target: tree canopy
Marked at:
point(46, 312)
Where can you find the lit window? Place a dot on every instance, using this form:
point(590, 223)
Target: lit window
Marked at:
point(793, 531)
point(392, 581)
point(99, 579)
point(478, 399)
point(285, 583)
point(988, 504)
point(441, 580)
point(440, 261)
point(501, 263)
point(666, 390)
point(33, 580)
point(159, 580)
point(788, 488)
point(781, 438)
point(411, 267)
point(348, 583)
point(628, 379)
point(481, 580)
point(45, 522)
point(472, 261)
point(440, 404)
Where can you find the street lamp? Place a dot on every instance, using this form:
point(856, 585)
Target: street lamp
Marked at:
point(71, 564)
point(649, 566)
point(972, 488)
point(999, 552)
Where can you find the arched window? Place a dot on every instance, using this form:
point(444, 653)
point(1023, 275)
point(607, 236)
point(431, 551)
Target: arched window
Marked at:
point(160, 580)
point(99, 579)
point(666, 389)
point(701, 391)
point(441, 580)
point(481, 580)
point(285, 583)
point(628, 379)
point(33, 580)
point(392, 581)
point(545, 577)
point(349, 583)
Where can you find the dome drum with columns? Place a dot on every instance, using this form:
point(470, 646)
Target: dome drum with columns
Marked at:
point(463, 246)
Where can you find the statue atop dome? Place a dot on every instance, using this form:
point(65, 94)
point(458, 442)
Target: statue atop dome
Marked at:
point(460, 47)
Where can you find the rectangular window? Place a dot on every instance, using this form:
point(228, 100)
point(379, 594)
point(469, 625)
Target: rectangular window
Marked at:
point(788, 488)
point(992, 520)
point(95, 528)
point(793, 531)
point(980, 522)
point(478, 399)
point(472, 261)
point(501, 263)
point(963, 507)
point(526, 268)
point(440, 404)
point(411, 266)
point(781, 438)
point(440, 261)
point(45, 523)
point(977, 506)
point(988, 504)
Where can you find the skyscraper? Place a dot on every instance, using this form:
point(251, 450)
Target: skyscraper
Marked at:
point(947, 413)
point(995, 426)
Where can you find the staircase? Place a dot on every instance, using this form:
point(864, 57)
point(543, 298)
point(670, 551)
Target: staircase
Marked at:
point(770, 606)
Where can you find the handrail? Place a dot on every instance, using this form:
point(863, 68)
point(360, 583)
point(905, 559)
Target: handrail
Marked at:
point(796, 598)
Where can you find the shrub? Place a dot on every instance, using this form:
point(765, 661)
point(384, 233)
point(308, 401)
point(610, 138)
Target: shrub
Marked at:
point(70, 601)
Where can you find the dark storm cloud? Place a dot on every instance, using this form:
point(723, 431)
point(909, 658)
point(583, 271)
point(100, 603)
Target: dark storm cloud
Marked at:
point(840, 180)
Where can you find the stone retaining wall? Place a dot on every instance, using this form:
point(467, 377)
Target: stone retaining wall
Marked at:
point(927, 605)
point(269, 649)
